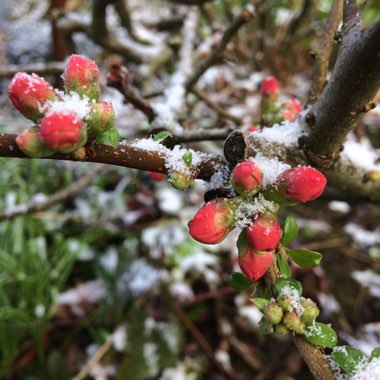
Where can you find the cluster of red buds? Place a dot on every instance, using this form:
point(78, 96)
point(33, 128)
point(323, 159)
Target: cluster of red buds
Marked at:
point(273, 110)
point(259, 241)
point(63, 121)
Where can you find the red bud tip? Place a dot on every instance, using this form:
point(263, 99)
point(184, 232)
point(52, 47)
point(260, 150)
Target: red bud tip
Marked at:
point(156, 177)
point(212, 222)
point(255, 265)
point(264, 233)
point(291, 109)
point(247, 177)
point(82, 76)
point(270, 87)
point(63, 131)
point(302, 184)
point(29, 94)
point(31, 144)
point(253, 128)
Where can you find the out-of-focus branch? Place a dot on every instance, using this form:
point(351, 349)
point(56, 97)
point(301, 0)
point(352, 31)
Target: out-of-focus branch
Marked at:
point(322, 49)
point(8, 71)
point(215, 55)
point(190, 2)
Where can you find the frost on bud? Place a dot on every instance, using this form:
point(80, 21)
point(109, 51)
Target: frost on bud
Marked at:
point(291, 109)
point(270, 88)
point(100, 118)
point(31, 144)
point(273, 312)
point(293, 322)
point(252, 263)
point(247, 178)
point(212, 222)
point(63, 132)
point(181, 181)
point(29, 94)
point(82, 76)
point(310, 313)
point(156, 177)
point(301, 184)
point(264, 233)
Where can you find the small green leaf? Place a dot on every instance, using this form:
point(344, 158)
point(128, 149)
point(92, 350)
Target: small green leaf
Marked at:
point(161, 136)
point(305, 258)
point(348, 358)
point(239, 281)
point(375, 353)
point(187, 158)
point(290, 230)
point(322, 335)
point(110, 137)
point(259, 302)
point(282, 283)
point(283, 266)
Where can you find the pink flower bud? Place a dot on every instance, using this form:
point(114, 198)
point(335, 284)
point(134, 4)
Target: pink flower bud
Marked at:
point(253, 128)
point(247, 178)
point(270, 87)
point(31, 144)
point(252, 263)
point(100, 118)
point(63, 131)
point(291, 109)
point(212, 222)
point(301, 184)
point(264, 233)
point(29, 94)
point(82, 76)
point(156, 177)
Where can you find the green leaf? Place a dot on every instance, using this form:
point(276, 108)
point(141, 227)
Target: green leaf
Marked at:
point(283, 266)
point(322, 335)
point(305, 258)
point(187, 158)
point(259, 302)
point(239, 281)
point(375, 353)
point(290, 231)
point(282, 283)
point(348, 358)
point(161, 136)
point(110, 137)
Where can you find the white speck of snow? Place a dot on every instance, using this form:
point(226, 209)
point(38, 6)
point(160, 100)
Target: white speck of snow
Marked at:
point(39, 311)
point(221, 178)
point(181, 291)
point(368, 279)
point(367, 370)
point(170, 200)
point(120, 338)
point(198, 261)
point(295, 298)
point(271, 168)
point(110, 260)
point(339, 206)
point(329, 302)
point(251, 314)
point(223, 358)
point(182, 371)
point(362, 236)
point(151, 358)
point(315, 225)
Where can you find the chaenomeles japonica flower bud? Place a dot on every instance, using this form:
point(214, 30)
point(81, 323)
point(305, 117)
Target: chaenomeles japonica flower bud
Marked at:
point(181, 181)
point(100, 118)
point(285, 302)
point(247, 178)
point(264, 233)
point(270, 88)
point(81, 75)
point(310, 312)
point(156, 176)
point(213, 221)
point(63, 131)
point(290, 109)
point(253, 264)
point(281, 329)
point(301, 184)
point(273, 312)
point(293, 322)
point(29, 93)
point(31, 144)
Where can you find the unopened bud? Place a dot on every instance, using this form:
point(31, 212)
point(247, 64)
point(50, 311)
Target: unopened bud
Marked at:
point(293, 322)
point(311, 311)
point(285, 302)
point(181, 181)
point(281, 329)
point(32, 145)
point(247, 178)
point(273, 312)
point(264, 233)
point(100, 118)
point(266, 326)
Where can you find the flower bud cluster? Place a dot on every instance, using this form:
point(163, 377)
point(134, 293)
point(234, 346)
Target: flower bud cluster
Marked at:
point(60, 129)
point(289, 312)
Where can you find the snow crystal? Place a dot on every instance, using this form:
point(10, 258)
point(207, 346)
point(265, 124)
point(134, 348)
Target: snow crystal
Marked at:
point(251, 314)
point(315, 225)
point(223, 358)
point(362, 236)
point(170, 200)
point(295, 298)
point(151, 358)
point(109, 260)
point(220, 178)
point(368, 279)
point(181, 291)
point(271, 168)
point(120, 338)
point(367, 339)
point(329, 302)
point(39, 311)
point(198, 261)
point(339, 206)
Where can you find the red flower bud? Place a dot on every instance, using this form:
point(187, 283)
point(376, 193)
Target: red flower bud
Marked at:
point(100, 118)
point(212, 222)
point(31, 144)
point(302, 184)
point(291, 109)
point(253, 128)
point(252, 263)
point(247, 178)
point(82, 76)
point(270, 87)
point(29, 94)
point(63, 131)
point(157, 177)
point(264, 233)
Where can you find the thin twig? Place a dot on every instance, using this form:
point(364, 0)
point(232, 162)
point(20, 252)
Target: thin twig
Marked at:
point(8, 71)
point(187, 136)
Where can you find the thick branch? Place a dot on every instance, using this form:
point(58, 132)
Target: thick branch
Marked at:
point(353, 84)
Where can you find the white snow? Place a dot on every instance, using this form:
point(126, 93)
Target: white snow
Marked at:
point(120, 338)
point(72, 103)
point(368, 279)
point(362, 236)
point(339, 206)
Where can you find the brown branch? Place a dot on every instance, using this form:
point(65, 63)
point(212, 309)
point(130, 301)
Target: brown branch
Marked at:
point(8, 71)
point(189, 2)
point(322, 49)
point(188, 136)
point(353, 84)
point(214, 56)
